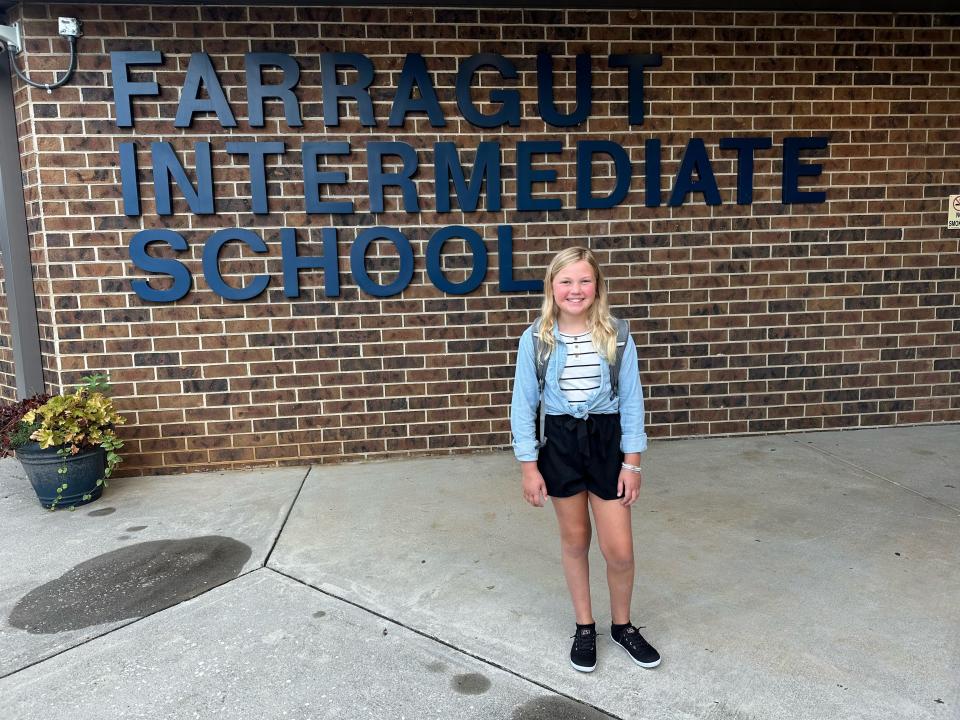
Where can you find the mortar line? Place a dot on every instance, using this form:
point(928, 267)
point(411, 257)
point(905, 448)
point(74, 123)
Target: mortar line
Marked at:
point(871, 473)
point(446, 644)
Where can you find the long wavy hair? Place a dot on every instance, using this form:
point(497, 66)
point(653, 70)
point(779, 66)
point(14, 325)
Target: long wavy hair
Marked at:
point(599, 322)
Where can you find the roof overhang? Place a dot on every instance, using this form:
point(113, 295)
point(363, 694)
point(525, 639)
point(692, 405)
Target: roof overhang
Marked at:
point(873, 6)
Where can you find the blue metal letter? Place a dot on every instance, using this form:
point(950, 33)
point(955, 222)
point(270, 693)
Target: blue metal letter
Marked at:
point(635, 65)
point(415, 73)
point(200, 70)
point(505, 253)
point(651, 164)
point(526, 175)
point(166, 165)
point(211, 264)
point(793, 169)
point(293, 263)
point(479, 250)
point(332, 92)
point(447, 167)
point(586, 149)
point(545, 93)
point(258, 173)
point(358, 253)
point(166, 266)
point(257, 91)
point(695, 158)
point(313, 178)
point(745, 148)
point(377, 179)
point(123, 89)
point(129, 179)
point(509, 113)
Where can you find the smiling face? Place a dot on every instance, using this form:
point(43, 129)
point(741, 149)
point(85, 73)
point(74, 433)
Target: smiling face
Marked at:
point(574, 290)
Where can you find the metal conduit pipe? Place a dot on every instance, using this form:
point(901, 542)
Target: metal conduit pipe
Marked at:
point(15, 247)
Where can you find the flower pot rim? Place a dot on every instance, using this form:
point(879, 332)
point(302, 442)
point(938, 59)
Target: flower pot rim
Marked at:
point(33, 448)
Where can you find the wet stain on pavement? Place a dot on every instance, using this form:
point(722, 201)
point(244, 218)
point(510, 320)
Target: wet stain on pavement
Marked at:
point(470, 683)
point(102, 511)
point(553, 707)
point(436, 667)
point(130, 582)
point(319, 614)
point(135, 528)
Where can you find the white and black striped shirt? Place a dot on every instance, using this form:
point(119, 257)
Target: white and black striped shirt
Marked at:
point(581, 376)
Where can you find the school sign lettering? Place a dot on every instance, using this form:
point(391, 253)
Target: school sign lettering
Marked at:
point(203, 94)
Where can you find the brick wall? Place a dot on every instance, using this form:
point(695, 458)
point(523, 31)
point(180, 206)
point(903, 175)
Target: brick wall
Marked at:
point(749, 318)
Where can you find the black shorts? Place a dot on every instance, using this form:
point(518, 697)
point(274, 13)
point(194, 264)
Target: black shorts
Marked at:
point(581, 455)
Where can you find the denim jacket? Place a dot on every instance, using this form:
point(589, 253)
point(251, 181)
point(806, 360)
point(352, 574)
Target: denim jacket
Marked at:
point(526, 396)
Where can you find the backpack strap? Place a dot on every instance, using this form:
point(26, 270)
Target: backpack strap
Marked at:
point(541, 356)
point(623, 332)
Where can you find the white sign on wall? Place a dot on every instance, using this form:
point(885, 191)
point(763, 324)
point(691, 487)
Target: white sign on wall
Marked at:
point(953, 212)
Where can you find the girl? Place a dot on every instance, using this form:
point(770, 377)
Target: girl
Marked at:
point(589, 454)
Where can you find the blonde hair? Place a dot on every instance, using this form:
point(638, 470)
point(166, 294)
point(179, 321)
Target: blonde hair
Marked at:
point(599, 322)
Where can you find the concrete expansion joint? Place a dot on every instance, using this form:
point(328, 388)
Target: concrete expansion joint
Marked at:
point(878, 476)
point(440, 641)
point(286, 517)
point(133, 621)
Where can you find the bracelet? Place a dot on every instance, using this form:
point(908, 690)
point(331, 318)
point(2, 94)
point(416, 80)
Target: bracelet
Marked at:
point(631, 468)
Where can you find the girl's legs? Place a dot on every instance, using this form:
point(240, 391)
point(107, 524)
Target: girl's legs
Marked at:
point(616, 543)
point(575, 531)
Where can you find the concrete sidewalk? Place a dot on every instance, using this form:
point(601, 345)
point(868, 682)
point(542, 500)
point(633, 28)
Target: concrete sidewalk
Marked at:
point(786, 576)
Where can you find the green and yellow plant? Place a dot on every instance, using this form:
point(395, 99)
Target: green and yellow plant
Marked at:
point(82, 420)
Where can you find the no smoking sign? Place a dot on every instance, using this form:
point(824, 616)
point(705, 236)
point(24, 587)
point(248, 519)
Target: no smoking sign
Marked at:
point(953, 212)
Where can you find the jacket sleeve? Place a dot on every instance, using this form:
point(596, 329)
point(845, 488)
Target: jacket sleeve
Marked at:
point(526, 398)
point(633, 438)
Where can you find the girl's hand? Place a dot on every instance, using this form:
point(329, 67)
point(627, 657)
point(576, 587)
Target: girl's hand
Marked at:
point(534, 488)
point(628, 487)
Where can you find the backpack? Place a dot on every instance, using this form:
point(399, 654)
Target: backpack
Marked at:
point(541, 356)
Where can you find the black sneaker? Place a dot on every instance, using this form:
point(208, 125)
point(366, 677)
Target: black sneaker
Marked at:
point(640, 651)
point(583, 654)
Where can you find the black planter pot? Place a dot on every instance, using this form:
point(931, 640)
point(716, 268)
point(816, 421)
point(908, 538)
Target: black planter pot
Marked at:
point(83, 471)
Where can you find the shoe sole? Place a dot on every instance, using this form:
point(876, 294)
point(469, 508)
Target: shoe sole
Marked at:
point(583, 668)
point(641, 664)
